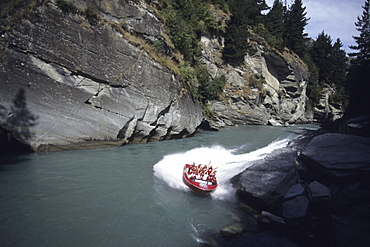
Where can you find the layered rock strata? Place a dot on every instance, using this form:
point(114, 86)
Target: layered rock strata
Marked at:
point(269, 88)
point(86, 84)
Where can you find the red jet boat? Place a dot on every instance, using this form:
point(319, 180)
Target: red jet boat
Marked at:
point(200, 178)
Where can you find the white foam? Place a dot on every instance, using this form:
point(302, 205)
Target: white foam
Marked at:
point(170, 168)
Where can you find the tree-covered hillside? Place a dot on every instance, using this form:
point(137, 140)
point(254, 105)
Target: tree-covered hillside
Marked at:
point(282, 26)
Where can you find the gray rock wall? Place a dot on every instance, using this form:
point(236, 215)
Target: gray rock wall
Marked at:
point(270, 87)
point(87, 84)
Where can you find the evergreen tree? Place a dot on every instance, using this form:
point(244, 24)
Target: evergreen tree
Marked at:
point(186, 20)
point(363, 41)
point(313, 87)
point(320, 53)
point(247, 12)
point(340, 63)
point(274, 21)
point(235, 42)
point(244, 13)
point(295, 23)
point(359, 73)
point(327, 65)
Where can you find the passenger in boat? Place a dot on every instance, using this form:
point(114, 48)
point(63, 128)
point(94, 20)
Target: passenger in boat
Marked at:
point(212, 176)
point(191, 168)
point(195, 171)
point(205, 168)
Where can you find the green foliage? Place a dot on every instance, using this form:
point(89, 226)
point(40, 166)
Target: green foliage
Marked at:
point(331, 63)
point(187, 20)
point(274, 20)
point(363, 40)
point(274, 41)
point(341, 96)
point(359, 88)
point(359, 73)
point(244, 14)
point(209, 89)
point(275, 26)
point(295, 22)
point(339, 59)
point(159, 46)
point(221, 4)
point(91, 15)
point(235, 43)
point(321, 54)
point(247, 12)
point(313, 87)
point(66, 7)
point(90, 12)
point(257, 81)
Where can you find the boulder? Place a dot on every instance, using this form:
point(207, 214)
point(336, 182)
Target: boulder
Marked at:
point(294, 191)
point(273, 122)
point(338, 155)
point(232, 230)
point(356, 126)
point(266, 182)
point(267, 217)
point(295, 208)
point(318, 192)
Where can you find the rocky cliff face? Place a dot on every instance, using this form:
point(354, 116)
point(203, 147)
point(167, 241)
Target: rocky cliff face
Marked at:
point(269, 88)
point(85, 74)
point(70, 80)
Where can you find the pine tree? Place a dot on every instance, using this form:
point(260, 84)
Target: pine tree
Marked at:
point(274, 21)
point(339, 74)
point(244, 13)
point(295, 23)
point(186, 20)
point(321, 52)
point(331, 60)
point(363, 41)
point(340, 61)
point(359, 72)
point(235, 42)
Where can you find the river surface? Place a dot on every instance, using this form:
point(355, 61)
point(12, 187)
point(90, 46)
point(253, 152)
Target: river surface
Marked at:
point(131, 195)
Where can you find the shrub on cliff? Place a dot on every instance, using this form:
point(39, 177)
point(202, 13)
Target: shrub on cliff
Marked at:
point(66, 7)
point(186, 21)
point(210, 89)
point(91, 15)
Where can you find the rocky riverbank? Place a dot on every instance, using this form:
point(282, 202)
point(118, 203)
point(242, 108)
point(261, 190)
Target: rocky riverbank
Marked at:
point(73, 81)
point(70, 82)
point(312, 193)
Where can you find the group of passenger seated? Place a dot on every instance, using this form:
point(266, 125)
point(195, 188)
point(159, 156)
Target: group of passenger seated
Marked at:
point(202, 172)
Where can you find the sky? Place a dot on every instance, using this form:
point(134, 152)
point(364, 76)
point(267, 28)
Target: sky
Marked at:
point(335, 17)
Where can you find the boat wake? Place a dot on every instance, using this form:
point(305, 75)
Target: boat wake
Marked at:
point(228, 164)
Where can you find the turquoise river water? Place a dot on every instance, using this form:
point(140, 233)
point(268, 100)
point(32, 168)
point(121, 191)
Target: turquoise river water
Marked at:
point(131, 195)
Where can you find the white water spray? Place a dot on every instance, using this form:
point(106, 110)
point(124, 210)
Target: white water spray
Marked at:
point(170, 168)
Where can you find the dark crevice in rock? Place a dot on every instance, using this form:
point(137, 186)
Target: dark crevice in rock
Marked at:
point(122, 132)
point(161, 113)
point(180, 135)
point(95, 79)
point(153, 135)
point(73, 73)
point(100, 108)
point(118, 86)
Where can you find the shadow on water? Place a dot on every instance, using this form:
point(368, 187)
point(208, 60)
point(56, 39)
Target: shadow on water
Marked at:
point(15, 124)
